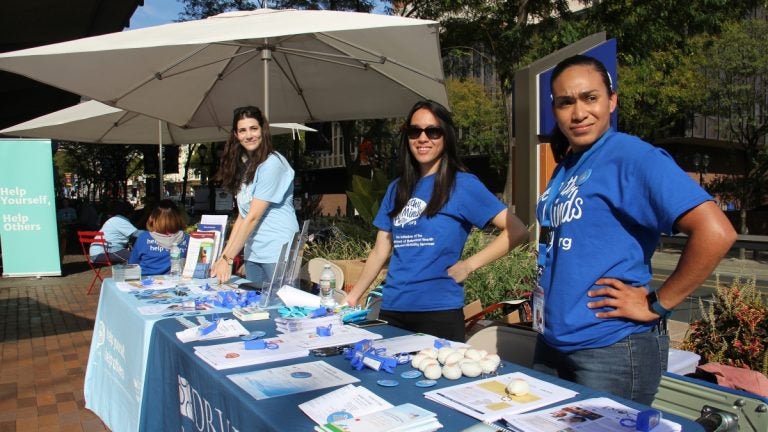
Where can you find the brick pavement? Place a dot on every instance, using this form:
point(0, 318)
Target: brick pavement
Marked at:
point(46, 331)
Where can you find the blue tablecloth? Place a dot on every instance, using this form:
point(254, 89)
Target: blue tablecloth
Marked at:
point(114, 377)
point(175, 373)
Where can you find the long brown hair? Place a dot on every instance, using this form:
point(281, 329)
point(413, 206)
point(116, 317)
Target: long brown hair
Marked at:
point(166, 218)
point(238, 166)
point(409, 166)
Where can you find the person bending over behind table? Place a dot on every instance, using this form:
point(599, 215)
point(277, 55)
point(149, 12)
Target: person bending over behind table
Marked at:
point(609, 198)
point(424, 220)
point(118, 231)
point(262, 180)
point(152, 250)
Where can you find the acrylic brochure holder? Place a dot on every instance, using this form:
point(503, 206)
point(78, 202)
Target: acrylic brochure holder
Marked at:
point(287, 269)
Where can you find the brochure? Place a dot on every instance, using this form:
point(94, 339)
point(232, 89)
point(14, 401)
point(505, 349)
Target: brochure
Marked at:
point(410, 343)
point(346, 402)
point(488, 400)
point(225, 328)
point(593, 415)
point(291, 379)
point(234, 354)
point(216, 220)
point(199, 254)
point(340, 335)
point(406, 417)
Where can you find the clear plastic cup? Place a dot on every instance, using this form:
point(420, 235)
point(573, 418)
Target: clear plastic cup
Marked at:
point(118, 272)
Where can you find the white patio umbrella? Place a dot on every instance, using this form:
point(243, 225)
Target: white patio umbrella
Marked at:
point(301, 66)
point(95, 122)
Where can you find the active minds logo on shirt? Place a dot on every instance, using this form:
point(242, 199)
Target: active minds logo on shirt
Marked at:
point(412, 211)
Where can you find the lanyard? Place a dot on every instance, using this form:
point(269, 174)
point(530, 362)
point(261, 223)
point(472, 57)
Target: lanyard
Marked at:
point(561, 172)
point(554, 186)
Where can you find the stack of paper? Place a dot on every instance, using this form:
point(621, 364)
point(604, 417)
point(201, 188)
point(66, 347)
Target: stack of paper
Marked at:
point(234, 354)
point(346, 402)
point(288, 325)
point(226, 328)
point(405, 417)
point(585, 415)
point(487, 399)
point(291, 379)
point(340, 336)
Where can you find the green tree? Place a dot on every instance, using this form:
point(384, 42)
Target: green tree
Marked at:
point(734, 67)
point(479, 120)
point(101, 169)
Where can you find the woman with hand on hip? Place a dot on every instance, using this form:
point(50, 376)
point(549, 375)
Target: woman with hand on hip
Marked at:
point(424, 220)
point(609, 199)
point(262, 181)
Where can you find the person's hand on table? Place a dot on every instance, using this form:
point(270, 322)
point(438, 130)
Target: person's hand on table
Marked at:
point(221, 270)
point(350, 300)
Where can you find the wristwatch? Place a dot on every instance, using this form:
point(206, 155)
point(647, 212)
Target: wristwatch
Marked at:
point(227, 259)
point(653, 303)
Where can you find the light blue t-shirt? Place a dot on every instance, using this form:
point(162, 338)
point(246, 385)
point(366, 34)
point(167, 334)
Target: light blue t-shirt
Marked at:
point(273, 182)
point(606, 220)
point(117, 231)
point(424, 248)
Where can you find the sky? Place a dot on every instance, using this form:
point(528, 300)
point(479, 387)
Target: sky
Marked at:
point(156, 12)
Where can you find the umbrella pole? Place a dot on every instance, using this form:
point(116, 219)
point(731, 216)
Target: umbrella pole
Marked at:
point(266, 56)
point(160, 156)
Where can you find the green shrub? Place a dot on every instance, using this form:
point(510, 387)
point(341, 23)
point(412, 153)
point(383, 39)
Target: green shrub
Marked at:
point(733, 330)
point(347, 239)
point(510, 277)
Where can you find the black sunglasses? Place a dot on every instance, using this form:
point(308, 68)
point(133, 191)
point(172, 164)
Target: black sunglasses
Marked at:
point(433, 132)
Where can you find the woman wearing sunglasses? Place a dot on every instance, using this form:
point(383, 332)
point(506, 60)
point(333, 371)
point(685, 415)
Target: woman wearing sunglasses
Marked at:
point(424, 220)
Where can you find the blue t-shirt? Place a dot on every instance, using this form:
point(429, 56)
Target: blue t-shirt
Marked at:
point(424, 248)
point(273, 182)
point(153, 258)
point(117, 231)
point(606, 221)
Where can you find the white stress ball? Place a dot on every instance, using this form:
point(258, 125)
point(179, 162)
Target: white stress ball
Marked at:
point(417, 359)
point(427, 363)
point(433, 371)
point(452, 371)
point(429, 352)
point(472, 354)
point(490, 363)
point(444, 352)
point(483, 353)
point(471, 368)
point(462, 350)
point(454, 357)
point(518, 387)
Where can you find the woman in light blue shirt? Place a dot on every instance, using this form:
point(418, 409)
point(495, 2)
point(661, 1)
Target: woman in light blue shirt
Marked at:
point(262, 181)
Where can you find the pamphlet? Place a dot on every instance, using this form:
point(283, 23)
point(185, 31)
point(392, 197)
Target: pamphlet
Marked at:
point(225, 328)
point(340, 335)
point(597, 414)
point(250, 313)
point(488, 400)
point(215, 220)
point(346, 402)
point(410, 343)
point(234, 354)
point(291, 379)
point(406, 417)
point(199, 254)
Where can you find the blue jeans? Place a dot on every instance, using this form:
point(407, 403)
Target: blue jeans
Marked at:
point(631, 368)
point(258, 273)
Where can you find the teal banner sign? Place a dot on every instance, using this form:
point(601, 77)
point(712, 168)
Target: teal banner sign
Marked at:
point(28, 230)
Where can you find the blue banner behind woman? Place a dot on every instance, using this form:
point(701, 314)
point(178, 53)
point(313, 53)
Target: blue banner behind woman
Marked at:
point(28, 230)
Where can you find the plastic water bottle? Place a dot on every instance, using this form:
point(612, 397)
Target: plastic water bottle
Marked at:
point(175, 262)
point(327, 287)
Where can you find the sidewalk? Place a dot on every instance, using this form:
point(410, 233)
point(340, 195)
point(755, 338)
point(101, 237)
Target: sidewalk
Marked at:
point(46, 332)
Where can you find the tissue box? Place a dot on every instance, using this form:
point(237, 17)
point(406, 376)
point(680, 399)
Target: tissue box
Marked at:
point(682, 362)
point(132, 272)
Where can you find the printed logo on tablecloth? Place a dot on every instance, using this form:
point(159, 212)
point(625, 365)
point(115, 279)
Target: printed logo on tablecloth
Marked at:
point(185, 399)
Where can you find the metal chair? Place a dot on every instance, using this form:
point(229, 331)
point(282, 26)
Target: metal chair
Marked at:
point(87, 238)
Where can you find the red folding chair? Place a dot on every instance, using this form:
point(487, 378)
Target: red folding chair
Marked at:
point(87, 238)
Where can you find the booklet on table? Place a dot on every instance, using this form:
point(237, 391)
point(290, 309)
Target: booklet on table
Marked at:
point(488, 400)
point(291, 379)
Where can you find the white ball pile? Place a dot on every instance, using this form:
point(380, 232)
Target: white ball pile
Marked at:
point(452, 363)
